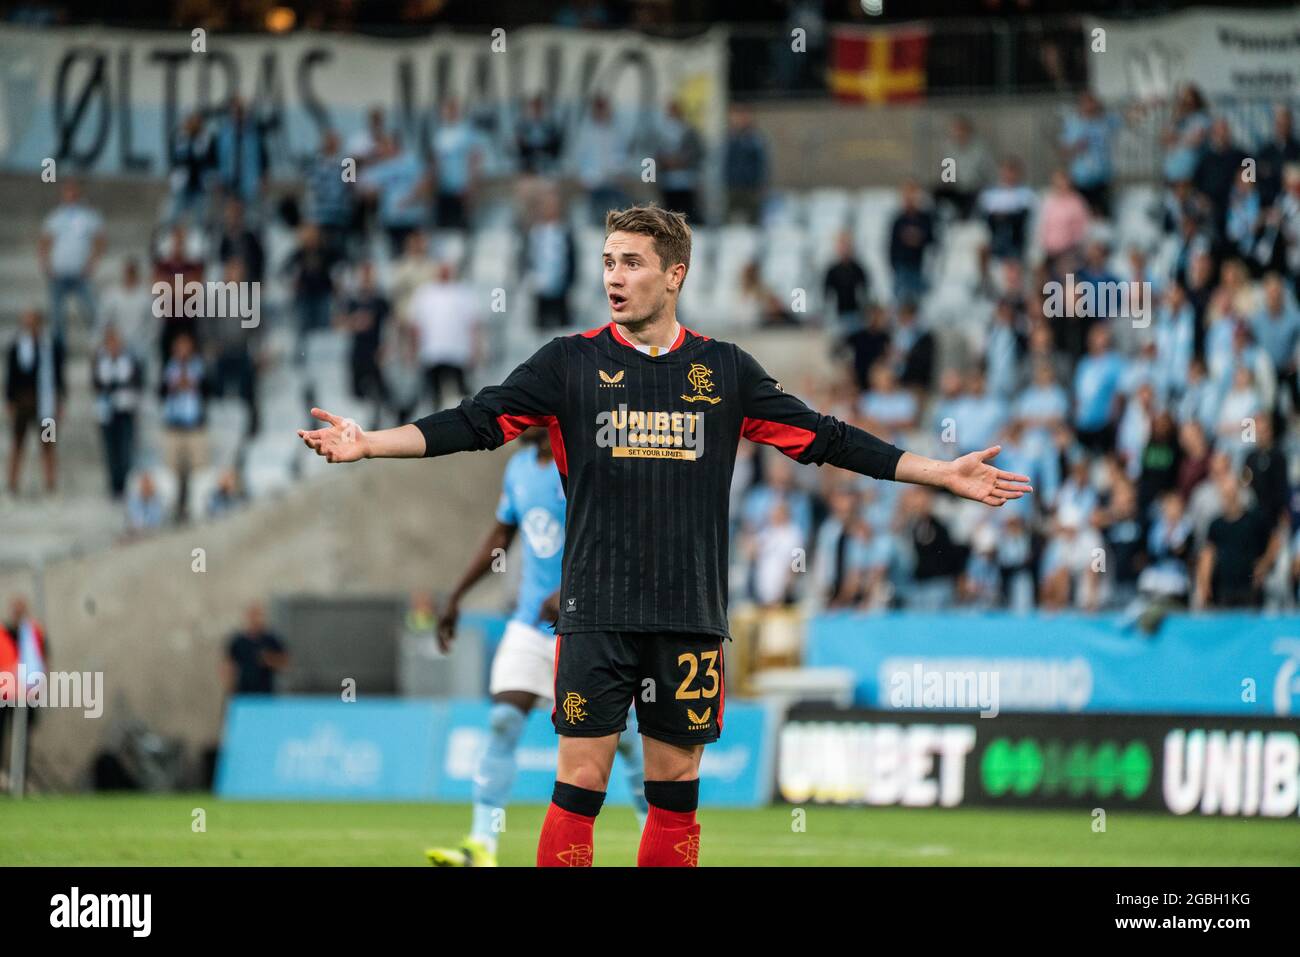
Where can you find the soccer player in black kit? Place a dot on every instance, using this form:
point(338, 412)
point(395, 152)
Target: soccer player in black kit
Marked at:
point(645, 417)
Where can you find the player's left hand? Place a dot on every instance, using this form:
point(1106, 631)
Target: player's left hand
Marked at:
point(341, 441)
point(972, 477)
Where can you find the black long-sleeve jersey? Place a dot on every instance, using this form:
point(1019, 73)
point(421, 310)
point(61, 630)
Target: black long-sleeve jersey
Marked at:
point(646, 446)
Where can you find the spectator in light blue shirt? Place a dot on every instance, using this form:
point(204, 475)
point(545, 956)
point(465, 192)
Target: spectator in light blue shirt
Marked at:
point(1042, 406)
point(777, 486)
point(946, 408)
point(1086, 140)
point(458, 160)
point(1096, 386)
point(1024, 456)
point(1077, 492)
point(1200, 398)
point(1219, 334)
point(328, 196)
point(242, 155)
point(400, 182)
point(888, 408)
point(1243, 216)
point(1003, 349)
point(872, 558)
point(144, 506)
point(980, 585)
point(1184, 139)
point(70, 245)
point(979, 416)
point(1277, 331)
point(1175, 334)
point(184, 390)
point(1169, 543)
point(852, 561)
point(600, 160)
point(1140, 370)
point(1244, 353)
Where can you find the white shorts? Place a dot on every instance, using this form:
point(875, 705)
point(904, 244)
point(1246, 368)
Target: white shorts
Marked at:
point(525, 661)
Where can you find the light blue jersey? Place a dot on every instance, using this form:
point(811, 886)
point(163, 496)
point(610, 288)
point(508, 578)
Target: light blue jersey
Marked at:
point(532, 498)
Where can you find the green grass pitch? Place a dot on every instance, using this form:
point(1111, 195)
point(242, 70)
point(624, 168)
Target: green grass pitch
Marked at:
point(147, 830)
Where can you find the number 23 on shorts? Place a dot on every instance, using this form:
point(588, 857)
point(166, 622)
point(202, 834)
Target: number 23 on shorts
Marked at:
point(710, 677)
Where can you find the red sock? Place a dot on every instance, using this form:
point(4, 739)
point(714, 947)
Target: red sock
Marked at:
point(567, 839)
point(669, 839)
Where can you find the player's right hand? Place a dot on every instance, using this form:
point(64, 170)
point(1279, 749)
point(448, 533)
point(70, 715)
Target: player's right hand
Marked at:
point(341, 441)
point(446, 630)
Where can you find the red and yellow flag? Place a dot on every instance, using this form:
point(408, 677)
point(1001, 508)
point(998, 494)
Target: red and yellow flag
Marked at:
point(878, 65)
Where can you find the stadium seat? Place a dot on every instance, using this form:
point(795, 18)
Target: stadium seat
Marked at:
point(784, 207)
point(737, 247)
point(828, 210)
point(697, 300)
point(494, 258)
point(784, 264)
point(957, 261)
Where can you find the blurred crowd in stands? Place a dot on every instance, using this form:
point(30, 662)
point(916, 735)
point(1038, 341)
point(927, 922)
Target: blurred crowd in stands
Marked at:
point(361, 213)
point(1149, 388)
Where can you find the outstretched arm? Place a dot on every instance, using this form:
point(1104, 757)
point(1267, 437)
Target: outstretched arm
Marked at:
point(531, 395)
point(774, 417)
point(345, 441)
point(970, 476)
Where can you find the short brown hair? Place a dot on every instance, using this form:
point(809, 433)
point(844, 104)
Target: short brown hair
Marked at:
point(671, 235)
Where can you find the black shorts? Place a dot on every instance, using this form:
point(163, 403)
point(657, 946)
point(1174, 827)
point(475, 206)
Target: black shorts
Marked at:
point(674, 680)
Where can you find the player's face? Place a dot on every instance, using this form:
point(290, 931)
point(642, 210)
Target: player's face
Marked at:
point(636, 283)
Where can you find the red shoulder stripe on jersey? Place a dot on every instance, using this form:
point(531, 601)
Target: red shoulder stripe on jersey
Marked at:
point(694, 333)
point(790, 439)
point(513, 425)
point(681, 337)
point(593, 333)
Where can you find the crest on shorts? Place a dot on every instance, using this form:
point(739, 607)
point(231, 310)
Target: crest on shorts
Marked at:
point(572, 707)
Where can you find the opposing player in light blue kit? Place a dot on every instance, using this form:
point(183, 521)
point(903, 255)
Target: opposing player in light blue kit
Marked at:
point(523, 671)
